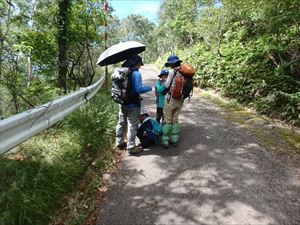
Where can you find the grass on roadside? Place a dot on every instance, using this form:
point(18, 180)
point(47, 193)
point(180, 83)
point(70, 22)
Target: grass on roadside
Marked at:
point(278, 137)
point(38, 174)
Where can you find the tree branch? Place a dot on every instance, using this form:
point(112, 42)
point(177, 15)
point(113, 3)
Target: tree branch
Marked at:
point(25, 100)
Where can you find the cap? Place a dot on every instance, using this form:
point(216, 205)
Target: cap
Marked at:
point(163, 72)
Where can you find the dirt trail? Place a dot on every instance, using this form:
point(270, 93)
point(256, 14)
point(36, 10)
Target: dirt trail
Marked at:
point(219, 174)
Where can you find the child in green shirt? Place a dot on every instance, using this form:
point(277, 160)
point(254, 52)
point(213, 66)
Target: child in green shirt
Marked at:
point(160, 95)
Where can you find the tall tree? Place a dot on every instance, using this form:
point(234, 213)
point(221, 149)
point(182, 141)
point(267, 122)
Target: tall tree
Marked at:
point(6, 8)
point(63, 23)
point(139, 28)
point(178, 18)
point(54, 43)
point(85, 37)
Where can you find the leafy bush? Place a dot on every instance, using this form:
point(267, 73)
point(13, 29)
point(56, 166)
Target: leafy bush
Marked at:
point(247, 72)
point(280, 104)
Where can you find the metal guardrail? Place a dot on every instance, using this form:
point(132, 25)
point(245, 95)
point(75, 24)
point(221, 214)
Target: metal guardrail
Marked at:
point(17, 129)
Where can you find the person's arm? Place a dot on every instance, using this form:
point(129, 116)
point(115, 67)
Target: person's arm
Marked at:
point(138, 86)
point(170, 78)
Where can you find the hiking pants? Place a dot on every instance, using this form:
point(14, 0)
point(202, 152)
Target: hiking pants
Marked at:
point(159, 114)
point(128, 119)
point(172, 110)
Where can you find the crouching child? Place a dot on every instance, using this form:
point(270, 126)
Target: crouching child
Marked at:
point(149, 131)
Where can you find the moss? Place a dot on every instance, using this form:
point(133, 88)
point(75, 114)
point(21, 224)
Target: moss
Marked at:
point(275, 137)
point(292, 136)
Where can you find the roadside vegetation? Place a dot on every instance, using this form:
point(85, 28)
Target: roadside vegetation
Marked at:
point(248, 50)
point(40, 172)
point(273, 134)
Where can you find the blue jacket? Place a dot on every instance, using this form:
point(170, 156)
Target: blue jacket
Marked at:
point(137, 87)
point(159, 88)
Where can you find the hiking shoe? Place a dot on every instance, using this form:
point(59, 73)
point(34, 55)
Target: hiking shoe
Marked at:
point(135, 150)
point(121, 146)
point(174, 144)
point(165, 145)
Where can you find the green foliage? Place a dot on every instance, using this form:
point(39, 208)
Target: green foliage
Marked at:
point(84, 42)
point(35, 178)
point(178, 18)
point(95, 122)
point(29, 49)
point(281, 104)
point(139, 28)
point(23, 96)
point(249, 50)
point(40, 92)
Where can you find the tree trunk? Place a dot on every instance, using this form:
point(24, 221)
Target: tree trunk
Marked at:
point(30, 76)
point(63, 21)
point(29, 59)
point(1, 52)
point(16, 102)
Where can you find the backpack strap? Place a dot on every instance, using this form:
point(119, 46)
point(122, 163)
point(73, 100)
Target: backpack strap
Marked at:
point(191, 94)
point(182, 81)
point(170, 87)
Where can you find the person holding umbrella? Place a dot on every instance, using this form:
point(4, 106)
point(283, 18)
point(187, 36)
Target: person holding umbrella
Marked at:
point(129, 113)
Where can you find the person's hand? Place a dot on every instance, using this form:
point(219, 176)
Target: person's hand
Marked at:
point(149, 88)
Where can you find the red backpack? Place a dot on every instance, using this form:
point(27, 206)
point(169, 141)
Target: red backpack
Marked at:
point(182, 82)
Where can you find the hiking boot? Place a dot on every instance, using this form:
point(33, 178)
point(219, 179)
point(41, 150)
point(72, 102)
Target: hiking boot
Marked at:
point(165, 135)
point(135, 150)
point(174, 144)
point(121, 146)
point(164, 145)
point(174, 137)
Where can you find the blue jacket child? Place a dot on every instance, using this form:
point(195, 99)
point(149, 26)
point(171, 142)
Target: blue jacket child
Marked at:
point(160, 94)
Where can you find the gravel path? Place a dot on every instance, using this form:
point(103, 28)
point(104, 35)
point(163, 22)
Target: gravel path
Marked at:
point(219, 174)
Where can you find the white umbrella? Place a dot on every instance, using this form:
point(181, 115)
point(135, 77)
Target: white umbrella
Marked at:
point(120, 52)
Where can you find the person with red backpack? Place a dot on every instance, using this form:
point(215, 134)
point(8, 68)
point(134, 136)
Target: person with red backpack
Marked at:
point(179, 85)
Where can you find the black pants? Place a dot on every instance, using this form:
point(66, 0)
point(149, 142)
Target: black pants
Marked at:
point(159, 114)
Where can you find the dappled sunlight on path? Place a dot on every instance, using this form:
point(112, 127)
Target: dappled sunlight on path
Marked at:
point(219, 174)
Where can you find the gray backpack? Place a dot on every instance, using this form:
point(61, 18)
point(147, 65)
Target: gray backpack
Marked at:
point(121, 90)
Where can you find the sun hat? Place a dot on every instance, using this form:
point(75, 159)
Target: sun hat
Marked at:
point(163, 73)
point(172, 60)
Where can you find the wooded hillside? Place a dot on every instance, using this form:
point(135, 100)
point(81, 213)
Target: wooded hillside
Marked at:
point(249, 50)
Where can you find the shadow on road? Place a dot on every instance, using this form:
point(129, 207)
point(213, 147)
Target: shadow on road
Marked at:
point(219, 174)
